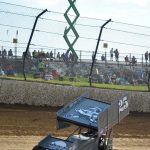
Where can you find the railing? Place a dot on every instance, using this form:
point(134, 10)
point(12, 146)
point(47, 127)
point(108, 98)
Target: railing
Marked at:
point(85, 57)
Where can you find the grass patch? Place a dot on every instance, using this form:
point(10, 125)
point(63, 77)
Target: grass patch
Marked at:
point(80, 81)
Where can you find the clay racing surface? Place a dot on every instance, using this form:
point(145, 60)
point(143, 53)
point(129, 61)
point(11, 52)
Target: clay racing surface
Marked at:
point(21, 127)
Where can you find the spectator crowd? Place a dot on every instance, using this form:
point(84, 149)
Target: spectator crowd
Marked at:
point(114, 54)
point(3, 53)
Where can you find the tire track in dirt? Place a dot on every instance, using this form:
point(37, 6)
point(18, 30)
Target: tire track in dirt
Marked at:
point(21, 127)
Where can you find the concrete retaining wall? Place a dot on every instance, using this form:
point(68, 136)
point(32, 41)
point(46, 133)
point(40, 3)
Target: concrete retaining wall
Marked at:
point(41, 94)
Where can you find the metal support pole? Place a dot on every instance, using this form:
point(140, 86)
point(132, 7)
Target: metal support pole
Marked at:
point(27, 49)
point(16, 44)
point(15, 50)
point(130, 60)
point(93, 61)
point(148, 83)
point(54, 53)
point(105, 57)
point(80, 55)
point(142, 60)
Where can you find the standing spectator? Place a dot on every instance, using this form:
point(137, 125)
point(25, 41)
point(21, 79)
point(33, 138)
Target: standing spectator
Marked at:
point(37, 54)
point(65, 57)
point(58, 55)
point(51, 55)
point(116, 54)
point(23, 55)
point(10, 54)
point(103, 58)
point(74, 57)
point(42, 54)
point(149, 57)
point(71, 57)
point(126, 59)
point(146, 57)
point(28, 55)
point(62, 55)
point(4, 53)
point(93, 55)
point(47, 55)
point(111, 54)
point(134, 61)
point(0, 53)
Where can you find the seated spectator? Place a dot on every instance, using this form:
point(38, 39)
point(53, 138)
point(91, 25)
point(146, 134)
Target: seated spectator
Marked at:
point(9, 70)
point(41, 68)
point(34, 54)
point(113, 78)
point(1, 72)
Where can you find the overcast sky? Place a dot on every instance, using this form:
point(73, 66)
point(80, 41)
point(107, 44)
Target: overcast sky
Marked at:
point(130, 11)
point(127, 11)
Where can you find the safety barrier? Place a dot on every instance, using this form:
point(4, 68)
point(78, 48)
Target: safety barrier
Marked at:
point(43, 94)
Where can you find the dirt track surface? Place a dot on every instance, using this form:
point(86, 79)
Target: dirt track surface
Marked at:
point(21, 127)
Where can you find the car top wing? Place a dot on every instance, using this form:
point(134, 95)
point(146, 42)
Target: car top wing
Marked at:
point(82, 112)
